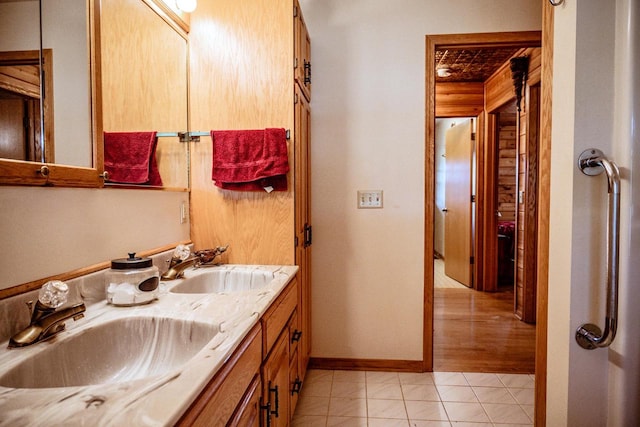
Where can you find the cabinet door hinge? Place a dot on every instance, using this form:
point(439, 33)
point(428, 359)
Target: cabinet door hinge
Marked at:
point(473, 136)
point(308, 235)
point(295, 98)
point(295, 11)
point(473, 198)
point(472, 260)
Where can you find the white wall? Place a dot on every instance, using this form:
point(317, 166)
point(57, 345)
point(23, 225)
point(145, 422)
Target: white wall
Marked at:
point(48, 231)
point(368, 107)
point(594, 50)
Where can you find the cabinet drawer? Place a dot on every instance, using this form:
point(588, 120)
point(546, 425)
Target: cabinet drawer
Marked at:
point(219, 400)
point(275, 319)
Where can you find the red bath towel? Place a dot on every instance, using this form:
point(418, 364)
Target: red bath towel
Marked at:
point(130, 158)
point(250, 160)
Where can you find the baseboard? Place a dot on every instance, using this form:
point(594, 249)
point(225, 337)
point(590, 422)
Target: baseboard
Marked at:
point(366, 364)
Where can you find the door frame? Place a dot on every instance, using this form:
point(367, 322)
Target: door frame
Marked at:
point(504, 39)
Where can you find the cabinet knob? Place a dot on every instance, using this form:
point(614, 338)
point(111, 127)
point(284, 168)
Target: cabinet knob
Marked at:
point(297, 386)
point(295, 337)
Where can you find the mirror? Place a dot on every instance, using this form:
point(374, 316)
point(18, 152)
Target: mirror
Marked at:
point(59, 126)
point(144, 87)
point(65, 119)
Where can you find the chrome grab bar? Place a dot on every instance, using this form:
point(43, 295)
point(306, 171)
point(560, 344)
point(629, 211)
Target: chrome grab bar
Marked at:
point(593, 162)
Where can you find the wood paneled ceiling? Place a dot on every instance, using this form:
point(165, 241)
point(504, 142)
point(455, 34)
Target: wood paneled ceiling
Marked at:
point(470, 65)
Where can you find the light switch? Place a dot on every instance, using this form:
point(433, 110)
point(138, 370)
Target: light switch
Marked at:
point(369, 199)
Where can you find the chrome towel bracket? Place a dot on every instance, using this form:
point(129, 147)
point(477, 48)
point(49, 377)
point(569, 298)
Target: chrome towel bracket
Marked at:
point(592, 162)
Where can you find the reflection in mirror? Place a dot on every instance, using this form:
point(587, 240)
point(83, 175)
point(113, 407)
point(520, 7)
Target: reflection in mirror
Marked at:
point(31, 117)
point(144, 86)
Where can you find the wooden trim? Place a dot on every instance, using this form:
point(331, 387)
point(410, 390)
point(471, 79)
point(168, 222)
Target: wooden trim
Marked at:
point(95, 64)
point(429, 204)
point(36, 284)
point(366, 364)
point(544, 187)
point(487, 221)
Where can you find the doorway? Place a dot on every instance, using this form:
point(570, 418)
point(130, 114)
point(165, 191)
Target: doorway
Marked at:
point(485, 246)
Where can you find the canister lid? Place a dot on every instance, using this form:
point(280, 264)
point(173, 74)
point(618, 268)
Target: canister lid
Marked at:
point(131, 263)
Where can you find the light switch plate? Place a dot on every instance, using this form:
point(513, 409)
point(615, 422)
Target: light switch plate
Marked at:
point(369, 199)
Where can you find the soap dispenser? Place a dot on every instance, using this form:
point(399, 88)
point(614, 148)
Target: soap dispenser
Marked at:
point(132, 281)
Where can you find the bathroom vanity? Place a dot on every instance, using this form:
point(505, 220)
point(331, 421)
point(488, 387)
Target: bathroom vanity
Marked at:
point(188, 358)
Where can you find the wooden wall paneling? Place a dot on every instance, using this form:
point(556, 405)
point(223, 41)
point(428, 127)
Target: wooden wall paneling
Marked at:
point(144, 54)
point(507, 167)
point(241, 64)
point(459, 99)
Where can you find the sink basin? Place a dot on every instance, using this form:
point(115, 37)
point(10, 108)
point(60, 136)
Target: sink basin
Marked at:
point(116, 351)
point(224, 280)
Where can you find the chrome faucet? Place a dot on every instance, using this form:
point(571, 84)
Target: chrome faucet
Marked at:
point(47, 320)
point(177, 265)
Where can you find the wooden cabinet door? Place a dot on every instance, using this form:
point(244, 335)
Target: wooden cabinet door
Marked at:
point(248, 412)
point(275, 384)
point(302, 51)
point(303, 226)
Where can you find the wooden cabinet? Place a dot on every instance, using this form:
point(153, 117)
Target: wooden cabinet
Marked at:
point(304, 229)
point(275, 384)
point(248, 412)
point(219, 400)
point(302, 51)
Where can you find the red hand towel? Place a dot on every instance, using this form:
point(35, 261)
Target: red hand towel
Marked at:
point(250, 160)
point(130, 157)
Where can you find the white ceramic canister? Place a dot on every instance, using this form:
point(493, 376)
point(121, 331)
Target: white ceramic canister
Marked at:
point(132, 281)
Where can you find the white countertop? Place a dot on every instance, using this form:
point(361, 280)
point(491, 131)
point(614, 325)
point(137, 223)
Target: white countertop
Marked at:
point(153, 401)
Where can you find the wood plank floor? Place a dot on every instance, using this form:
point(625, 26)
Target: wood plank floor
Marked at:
point(477, 332)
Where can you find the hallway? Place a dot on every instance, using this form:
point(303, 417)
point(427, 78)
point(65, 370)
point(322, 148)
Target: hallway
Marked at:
point(477, 332)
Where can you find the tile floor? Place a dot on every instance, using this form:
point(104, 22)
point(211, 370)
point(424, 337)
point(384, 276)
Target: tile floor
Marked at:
point(438, 399)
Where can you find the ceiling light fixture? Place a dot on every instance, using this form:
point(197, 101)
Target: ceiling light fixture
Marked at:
point(187, 6)
point(443, 72)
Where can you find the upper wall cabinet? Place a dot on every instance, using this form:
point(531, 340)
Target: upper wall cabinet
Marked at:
point(47, 131)
point(302, 51)
point(144, 85)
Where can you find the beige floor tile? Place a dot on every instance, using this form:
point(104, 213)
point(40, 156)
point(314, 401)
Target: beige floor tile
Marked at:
point(529, 409)
point(415, 377)
point(345, 407)
point(502, 413)
point(420, 423)
point(494, 395)
point(349, 376)
point(318, 375)
point(316, 388)
point(420, 392)
point(386, 408)
point(425, 411)
point(464, 411)
point(346, 422)
point(382, 377)
point(384, 391)
point(478, 379)
point(466, 424)
point(449, 378)
point(516, 380)
point(387, 422)
point(312, 405)
point(346, 389)
point(309, 421)
point(456, 393)
point(524, 396)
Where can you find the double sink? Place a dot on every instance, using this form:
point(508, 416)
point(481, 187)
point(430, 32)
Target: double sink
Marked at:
point(185, 328)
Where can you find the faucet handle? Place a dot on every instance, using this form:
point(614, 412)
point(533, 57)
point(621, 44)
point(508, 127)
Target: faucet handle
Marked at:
point(53, 294)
